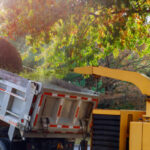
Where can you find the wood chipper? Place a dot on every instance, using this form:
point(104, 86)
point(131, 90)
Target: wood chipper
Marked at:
point(120, 129)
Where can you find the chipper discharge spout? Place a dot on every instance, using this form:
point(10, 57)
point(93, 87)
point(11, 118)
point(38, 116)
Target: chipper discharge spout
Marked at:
point(140, 80)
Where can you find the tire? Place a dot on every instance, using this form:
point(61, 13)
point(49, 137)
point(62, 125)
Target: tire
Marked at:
point(2, 145)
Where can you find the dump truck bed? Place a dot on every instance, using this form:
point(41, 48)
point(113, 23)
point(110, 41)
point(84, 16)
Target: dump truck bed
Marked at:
point(44, 111)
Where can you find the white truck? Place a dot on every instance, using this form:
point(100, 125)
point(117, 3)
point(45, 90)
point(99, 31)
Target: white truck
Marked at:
point(38, 117)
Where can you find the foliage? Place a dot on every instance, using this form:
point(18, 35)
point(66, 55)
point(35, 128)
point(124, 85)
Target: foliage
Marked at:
point(129, 97)
point(61, 35)
point(89, 83)
point(126, 60)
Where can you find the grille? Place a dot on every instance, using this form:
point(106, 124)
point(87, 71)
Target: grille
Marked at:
point(106, 131)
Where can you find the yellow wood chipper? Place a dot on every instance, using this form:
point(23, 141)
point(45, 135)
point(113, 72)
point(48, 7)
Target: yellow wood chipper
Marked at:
point(120, 129)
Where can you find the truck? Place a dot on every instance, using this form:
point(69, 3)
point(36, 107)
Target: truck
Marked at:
point(120, 129)
point(35, 116)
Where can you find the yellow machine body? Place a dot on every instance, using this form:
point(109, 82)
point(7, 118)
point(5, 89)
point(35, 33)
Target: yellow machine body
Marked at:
point(126, 116)
point(133, 124)
point(139, 136)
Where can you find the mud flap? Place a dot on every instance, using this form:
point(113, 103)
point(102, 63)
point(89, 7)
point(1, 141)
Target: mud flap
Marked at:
point(11, 132)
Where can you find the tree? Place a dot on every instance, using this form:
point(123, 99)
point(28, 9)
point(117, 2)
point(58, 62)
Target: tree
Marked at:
point(65, 34)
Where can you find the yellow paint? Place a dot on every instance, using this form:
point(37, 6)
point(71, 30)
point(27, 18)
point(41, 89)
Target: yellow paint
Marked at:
point(140, 80)
point(106, 112)
point(135, 138)
point(139, 136)
point(148, 107)
point(126, 117)
point(123, 130)
point(146, 136)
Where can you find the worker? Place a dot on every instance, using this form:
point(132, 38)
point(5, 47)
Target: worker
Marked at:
point(60, 146)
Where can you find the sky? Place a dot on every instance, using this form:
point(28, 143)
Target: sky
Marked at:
point(148, 19)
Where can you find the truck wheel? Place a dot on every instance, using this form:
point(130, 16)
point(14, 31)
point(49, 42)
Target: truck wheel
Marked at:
point(3, 145)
